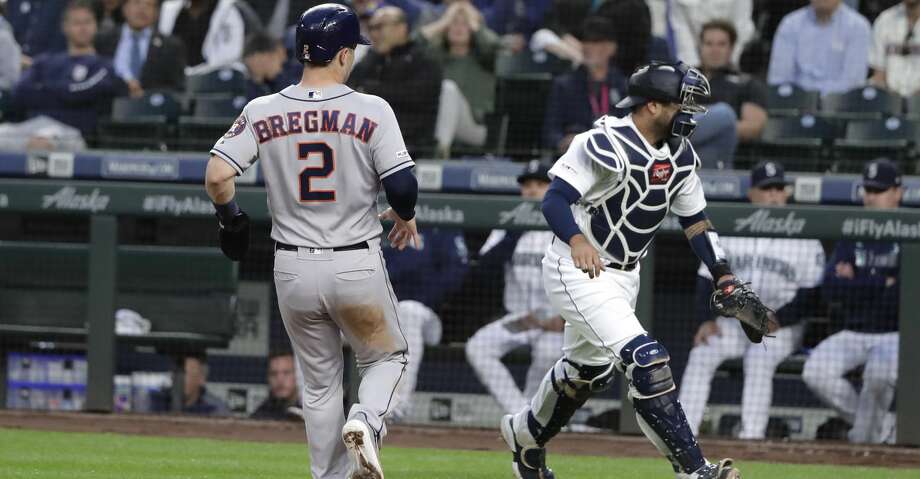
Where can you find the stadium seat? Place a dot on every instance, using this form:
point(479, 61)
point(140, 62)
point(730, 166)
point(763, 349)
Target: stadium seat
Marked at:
point(226, 80)
point(212, 116)
point(862, 103)
point(144, 122)
point(523, 63)
point(219, 106)
point(155, 104)
point(790, 100)
point(799, 143)
point(520, 102)
point(912, 107)
point(864, 140)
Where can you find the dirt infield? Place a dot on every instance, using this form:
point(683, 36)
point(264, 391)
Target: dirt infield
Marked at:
point(455, 438)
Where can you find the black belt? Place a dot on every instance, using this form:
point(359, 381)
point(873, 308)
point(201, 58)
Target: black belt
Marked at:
point(288, 247)
point(628, 267)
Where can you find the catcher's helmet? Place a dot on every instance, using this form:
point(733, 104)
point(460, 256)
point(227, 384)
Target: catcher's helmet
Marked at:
point(671, 83)
point(324, 30)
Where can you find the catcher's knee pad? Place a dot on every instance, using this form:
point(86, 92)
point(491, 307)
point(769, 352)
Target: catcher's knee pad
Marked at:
point(565, 389)
point(645, 363)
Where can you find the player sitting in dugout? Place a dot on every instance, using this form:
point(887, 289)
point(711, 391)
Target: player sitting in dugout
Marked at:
point(787, 273)
point(862, 279)
point(283, 401)
point(529, 319)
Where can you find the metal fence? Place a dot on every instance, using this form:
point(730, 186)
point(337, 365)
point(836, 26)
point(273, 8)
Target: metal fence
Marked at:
point(74, 253)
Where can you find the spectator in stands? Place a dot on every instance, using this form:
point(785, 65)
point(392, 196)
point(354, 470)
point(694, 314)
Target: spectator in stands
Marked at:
point(466, 50)
point(560, 35)
point(823, 47)
point(213, 31)
point(580, 97)
point(277, 15)
point(632, 26)
point(680, 23)
point(109, 15)
point(144, 58)
point(529, 319)
point(862, 278)
point(501, 16)
point(895, 53)
point(746, 95)
point(422, 279)
point(37, 26)
point(70, 86)
point(737, 106)
point(263, 60)
point(402, 73)
point(10, 56)
point(787, 275)
point(283, 401)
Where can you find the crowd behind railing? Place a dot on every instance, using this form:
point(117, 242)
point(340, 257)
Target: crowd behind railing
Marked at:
point(817, 85)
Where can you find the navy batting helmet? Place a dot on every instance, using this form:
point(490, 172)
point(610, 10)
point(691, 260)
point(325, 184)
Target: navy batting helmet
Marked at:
point(669, 83)
point(324, 30)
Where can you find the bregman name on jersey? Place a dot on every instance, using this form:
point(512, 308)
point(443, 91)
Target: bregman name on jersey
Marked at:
point(314, 121)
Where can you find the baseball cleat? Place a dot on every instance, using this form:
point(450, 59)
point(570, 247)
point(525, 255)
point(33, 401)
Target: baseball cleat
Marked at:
point(720, 470)
point(529, 462)
point(360, 442)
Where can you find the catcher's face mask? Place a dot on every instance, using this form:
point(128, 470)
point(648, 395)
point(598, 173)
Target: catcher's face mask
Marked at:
point(694, 88)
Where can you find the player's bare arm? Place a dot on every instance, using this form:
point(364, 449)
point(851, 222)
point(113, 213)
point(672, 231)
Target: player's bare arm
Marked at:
point(219, 181)
point(233, 231)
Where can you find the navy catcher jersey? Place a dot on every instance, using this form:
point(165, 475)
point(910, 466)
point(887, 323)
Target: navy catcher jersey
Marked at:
point(627, 186)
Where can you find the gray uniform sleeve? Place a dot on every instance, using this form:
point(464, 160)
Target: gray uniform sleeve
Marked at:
point(238, 147)
point(387, 146)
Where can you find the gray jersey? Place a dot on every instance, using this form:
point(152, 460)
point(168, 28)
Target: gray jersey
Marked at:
point(324, 152)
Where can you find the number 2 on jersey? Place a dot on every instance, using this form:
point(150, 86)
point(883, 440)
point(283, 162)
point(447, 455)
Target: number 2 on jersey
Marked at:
point(304, 151)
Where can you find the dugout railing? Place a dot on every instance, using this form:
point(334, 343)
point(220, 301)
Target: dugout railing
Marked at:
point(101, 203)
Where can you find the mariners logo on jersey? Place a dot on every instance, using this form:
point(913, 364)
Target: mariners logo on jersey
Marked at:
point(626, 214)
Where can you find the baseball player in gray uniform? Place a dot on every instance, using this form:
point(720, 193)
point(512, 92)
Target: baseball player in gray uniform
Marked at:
point(325, 151)
point(787, 273)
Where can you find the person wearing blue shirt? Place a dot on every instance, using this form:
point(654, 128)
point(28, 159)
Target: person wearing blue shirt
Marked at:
point(70, 86)
point(422, 278)
point(588, 93)
point(144, 58)
point(823, 47)
point(37, 25)
point(863, 278)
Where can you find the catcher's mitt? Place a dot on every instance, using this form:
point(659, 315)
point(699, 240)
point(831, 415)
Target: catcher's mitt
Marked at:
point(735, 298)
point(234, 237)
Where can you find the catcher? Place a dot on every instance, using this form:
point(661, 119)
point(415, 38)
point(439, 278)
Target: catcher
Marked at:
point(609, 195)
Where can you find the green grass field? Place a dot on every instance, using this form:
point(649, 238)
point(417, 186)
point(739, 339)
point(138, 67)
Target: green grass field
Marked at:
point(35, 454)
